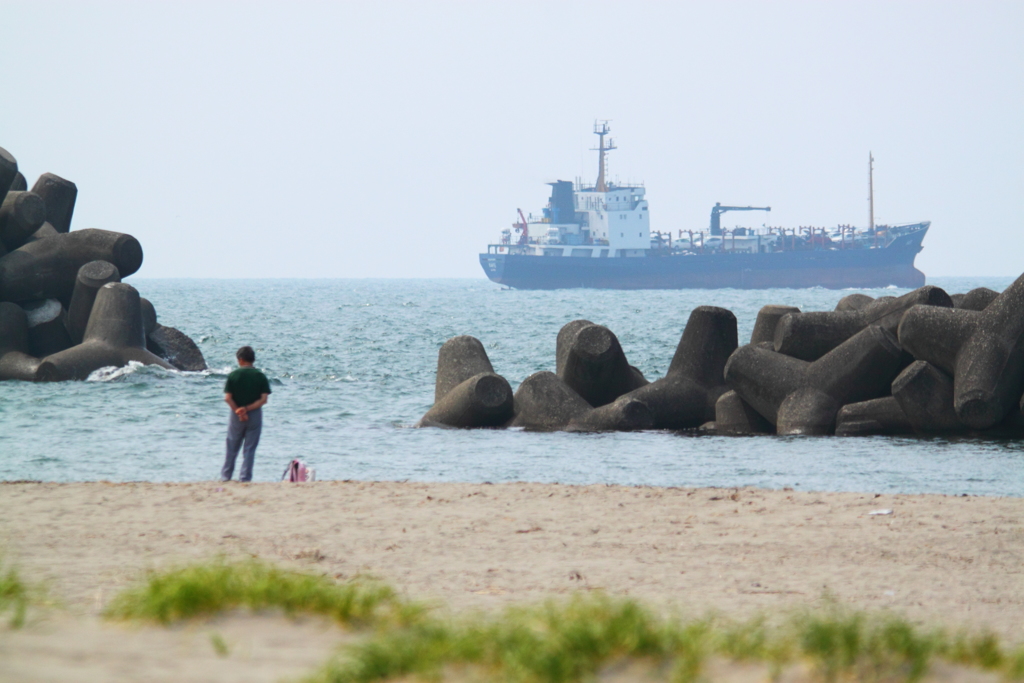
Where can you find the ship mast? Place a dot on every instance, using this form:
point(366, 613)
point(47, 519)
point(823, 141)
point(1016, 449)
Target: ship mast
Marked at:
point(871, 191)
point(601, 129)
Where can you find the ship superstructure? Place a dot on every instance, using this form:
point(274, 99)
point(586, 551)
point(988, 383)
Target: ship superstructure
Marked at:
point(600, 236)
point(596, 221)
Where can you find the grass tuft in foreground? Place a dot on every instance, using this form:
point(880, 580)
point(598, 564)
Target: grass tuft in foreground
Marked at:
point(15, 596)
point(207, 589)
point(588, 637)
point(553, 642)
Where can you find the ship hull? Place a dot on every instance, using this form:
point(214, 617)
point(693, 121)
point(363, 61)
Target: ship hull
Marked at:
point(829, 268)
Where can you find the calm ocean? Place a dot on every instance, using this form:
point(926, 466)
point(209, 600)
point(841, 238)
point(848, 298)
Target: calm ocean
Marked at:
point(352, 366)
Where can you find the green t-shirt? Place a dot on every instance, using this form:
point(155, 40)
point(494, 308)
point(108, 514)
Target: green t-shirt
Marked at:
point(246, 385)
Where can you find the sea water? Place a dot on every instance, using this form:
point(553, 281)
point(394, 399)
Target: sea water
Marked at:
point(352, 363)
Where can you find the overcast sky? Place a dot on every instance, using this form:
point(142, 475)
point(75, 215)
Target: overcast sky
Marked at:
point(396, 139)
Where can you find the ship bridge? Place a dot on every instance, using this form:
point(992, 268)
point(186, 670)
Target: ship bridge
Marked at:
point(604, 214)
point(617, 216)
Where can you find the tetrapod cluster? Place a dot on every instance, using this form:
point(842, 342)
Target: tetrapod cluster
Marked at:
point(64, 311)
point(922, 363)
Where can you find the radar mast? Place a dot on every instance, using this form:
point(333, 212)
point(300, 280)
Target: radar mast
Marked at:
point(601, 129)
point(871, 191)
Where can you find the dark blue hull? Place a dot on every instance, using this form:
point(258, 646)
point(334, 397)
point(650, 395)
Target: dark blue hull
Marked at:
point(830, 268)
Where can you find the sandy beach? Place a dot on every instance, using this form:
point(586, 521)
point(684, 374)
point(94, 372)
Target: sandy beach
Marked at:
point(942, 560)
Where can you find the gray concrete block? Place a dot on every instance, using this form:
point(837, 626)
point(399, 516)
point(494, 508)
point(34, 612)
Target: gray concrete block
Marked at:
point(767, 320)
point(736, 417)
point(854, 302)
point(46, 332)
point(114, 337)
point(925, 394)
point(59, 196)
point(458, 359)
point(21, 214)
point(982, 350)
point(810, 335)
point(15, 360)
point(877, 416)
point(977, 299)
point(8, 172)
point(801, 397)
point(20, 184)
point(595, 366)
point(685, 397)
point(90, 278)
point(149, 320)
point(47, 268)
point(175, 347)
point(484, 400)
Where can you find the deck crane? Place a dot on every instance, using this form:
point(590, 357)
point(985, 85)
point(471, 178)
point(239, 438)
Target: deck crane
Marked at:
point(523, 228)
point(717, 210)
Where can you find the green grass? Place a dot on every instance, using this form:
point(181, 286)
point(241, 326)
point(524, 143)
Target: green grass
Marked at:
point(15, 596)
point(579, 639)
point(207, 589)
point(220, 646)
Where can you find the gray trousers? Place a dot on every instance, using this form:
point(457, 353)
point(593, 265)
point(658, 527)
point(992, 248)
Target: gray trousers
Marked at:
point(239, 432)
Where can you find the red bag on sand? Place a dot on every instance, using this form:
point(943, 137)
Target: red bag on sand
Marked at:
point(298, 471)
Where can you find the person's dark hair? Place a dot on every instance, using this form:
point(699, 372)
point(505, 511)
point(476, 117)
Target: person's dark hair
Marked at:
point(246, 353)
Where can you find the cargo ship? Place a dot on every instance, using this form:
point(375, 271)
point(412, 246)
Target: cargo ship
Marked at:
point(599, 236)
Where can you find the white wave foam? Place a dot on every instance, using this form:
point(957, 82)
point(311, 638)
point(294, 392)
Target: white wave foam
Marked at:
point(111, 373)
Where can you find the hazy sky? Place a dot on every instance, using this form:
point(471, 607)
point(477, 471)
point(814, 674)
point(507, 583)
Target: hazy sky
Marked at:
point(396, 139)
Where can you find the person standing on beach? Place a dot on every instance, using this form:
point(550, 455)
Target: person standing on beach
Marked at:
point(246, 392)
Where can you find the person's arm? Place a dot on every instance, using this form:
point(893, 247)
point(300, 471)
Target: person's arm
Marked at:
point(258, 403)
point(240, 411)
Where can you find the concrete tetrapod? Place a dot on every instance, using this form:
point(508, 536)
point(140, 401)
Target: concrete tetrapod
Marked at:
point(21, 214)
point(45, 230)
point(458, 359)
point(809, 336)
point(15, 361)
point(59, 195)
point(46, 332)
point(91, 277)
point(20, 184)
point(767, 320)
point(853, 302)
point(594, 365)
point(484, 400)
point(175, 347)
point(925, 394)
point(149, 321)
point(801, 397)
point(171, 344)
point(114, 337)
point(735, 416)
point(47, 268)
point(685, 397)
point(564, 341)
point(8, 172)
point(922, 402)
point(543, 402)
point(977, 299)
point(875, 416)
point(624, 414)
point(982, 350)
